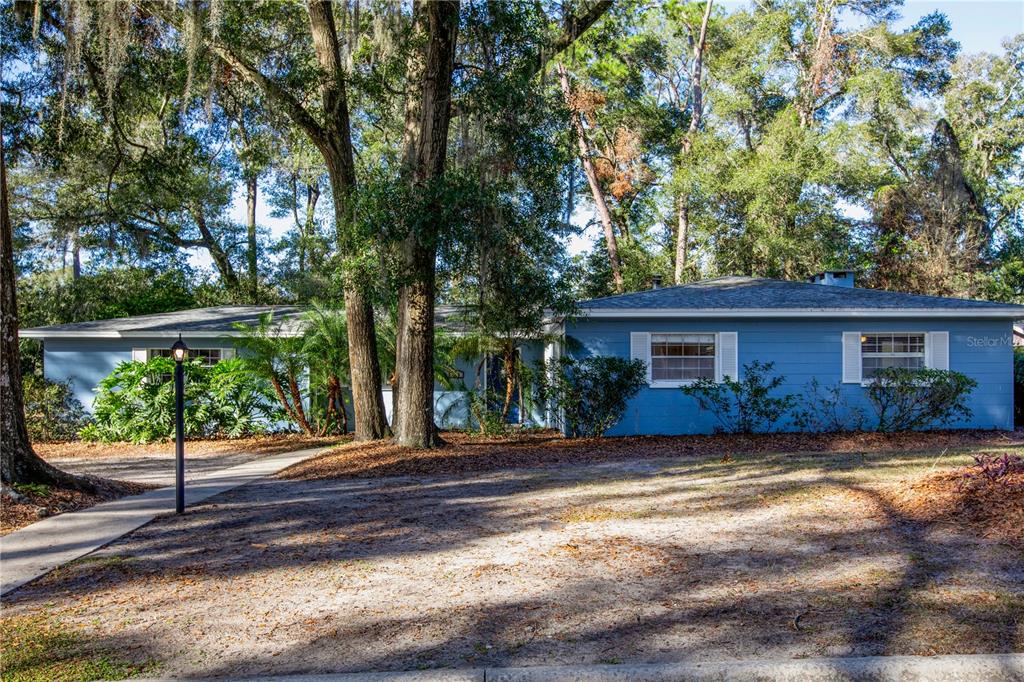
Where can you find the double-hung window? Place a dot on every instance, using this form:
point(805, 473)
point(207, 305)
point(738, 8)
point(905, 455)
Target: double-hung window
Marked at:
point(882, 350)
point(208, 356)
point(682, 357)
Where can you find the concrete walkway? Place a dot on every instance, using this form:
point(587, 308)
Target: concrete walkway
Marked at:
point(973, 668)
point(35, 550)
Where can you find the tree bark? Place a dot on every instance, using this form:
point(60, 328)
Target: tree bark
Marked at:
point(76, 254)
point(306, 236)
point(682, 238)
point(611, 242)
point(217, 253)
point(336, 146)
point(509, 367)
point(334, 141)
point(427, 118)
point(251, 188)
point(18, 461)
point(696, 117)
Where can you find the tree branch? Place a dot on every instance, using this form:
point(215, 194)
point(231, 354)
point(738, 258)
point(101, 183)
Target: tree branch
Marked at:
point(575, 26)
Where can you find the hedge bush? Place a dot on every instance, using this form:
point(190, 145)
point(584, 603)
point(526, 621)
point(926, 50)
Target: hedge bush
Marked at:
point(905, 399)
point(743, 406)
point(589, 396)
point(52, 413)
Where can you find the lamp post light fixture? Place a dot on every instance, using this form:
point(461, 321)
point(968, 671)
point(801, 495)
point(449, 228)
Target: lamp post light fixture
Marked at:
point(179, 351)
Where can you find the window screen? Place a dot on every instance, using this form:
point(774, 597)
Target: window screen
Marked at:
point(682, 357)
point(879, 351)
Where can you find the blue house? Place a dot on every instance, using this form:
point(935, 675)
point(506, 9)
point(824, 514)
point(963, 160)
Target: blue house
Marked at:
point(825, 329)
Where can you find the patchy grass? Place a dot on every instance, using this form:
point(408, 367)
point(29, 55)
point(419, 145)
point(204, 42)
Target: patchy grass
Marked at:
point(39, 648)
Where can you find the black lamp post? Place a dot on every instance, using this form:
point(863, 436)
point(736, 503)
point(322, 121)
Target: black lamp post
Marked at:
point(179, 351)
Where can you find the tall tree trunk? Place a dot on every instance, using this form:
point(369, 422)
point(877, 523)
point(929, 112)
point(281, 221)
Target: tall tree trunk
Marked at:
point(509, 367)
point(333, 138)
point(427, 117)
point(251, 188)
point(18, 461)
point(335, 144)
point(367, 396)
point(306, 236)
point(605, 215)
point(76, 254)
point(682, 237)
point(696, 117)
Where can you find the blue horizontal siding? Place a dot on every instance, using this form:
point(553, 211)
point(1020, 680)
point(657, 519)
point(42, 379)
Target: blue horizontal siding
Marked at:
point(803, 350)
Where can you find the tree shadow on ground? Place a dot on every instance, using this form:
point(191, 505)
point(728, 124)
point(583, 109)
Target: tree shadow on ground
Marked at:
point(781, 578)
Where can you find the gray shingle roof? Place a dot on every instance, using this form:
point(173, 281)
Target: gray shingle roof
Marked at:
point(768, 295)
point(212, 321)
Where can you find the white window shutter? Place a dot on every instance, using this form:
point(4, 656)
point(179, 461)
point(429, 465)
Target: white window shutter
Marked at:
point(139, 355)
point(227, 353)
point(937, 356)
point(640, 349)
point(728, 355)
point(851, 358)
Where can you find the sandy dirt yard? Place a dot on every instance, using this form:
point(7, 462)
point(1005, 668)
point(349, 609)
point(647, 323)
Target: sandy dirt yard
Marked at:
point(153, 463)
point(654, 559)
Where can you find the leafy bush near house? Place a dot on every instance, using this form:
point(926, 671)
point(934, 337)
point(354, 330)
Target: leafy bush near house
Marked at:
point(51, 412)
point(743, 406)
point(826, 410)
point(591, 394)
point(907, 399)
point(136, 402)
point(1018, 386)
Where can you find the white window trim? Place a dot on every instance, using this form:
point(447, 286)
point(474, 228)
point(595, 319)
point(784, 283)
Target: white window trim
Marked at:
point(651, 382)
point(225, 353)
point(927, 356)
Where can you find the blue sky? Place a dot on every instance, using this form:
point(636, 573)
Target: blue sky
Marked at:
point(978, 25)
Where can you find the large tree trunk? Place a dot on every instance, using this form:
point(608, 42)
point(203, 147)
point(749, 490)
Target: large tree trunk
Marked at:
point(18, 461)
point(76, 254)
point(682, 237)
point(603, 212)
point(251, 188)
point(696, 117)
point(427, 117)
point(335, 143)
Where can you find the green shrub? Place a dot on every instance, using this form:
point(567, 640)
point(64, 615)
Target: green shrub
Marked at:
point(1018, 385)
point(589, 396)
point(907, 399)
point(826, 410)
point(136, 402)
point(51, 411)
point(745, 406)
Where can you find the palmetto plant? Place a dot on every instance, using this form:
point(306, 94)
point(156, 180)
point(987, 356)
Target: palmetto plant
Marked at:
point(271, 352)
point(325, 346)
point(136, 401)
